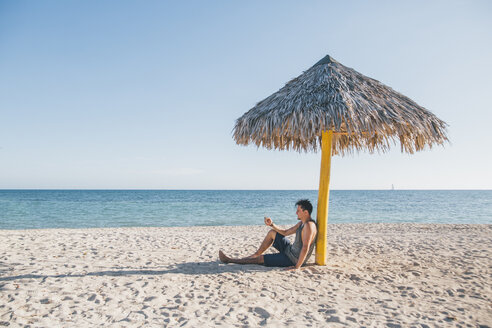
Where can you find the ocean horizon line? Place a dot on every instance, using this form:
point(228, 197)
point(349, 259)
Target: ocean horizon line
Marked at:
point(156, 189)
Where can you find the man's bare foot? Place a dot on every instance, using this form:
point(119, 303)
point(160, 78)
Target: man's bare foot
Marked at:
point(223, 258)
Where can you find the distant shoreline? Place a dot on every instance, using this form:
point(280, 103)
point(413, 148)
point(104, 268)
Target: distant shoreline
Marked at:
point(130, 189)
point(255, 226)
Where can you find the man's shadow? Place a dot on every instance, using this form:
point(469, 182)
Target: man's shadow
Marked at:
point(188, 268)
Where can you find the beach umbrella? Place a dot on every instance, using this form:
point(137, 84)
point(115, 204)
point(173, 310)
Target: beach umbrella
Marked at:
point(338, 110)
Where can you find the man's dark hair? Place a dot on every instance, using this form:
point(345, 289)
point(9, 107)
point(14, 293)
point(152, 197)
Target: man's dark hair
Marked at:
point(305, 205)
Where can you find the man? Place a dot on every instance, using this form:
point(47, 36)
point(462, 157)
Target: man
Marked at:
point(292, 256)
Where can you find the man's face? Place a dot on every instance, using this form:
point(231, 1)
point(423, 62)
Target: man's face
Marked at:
point(301, 213)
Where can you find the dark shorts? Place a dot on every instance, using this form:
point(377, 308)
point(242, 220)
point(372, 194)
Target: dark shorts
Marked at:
point(279, 259)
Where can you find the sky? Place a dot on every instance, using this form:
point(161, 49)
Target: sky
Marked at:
point(145, 94)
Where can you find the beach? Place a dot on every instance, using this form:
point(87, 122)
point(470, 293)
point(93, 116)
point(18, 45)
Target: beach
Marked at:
point(378, 275)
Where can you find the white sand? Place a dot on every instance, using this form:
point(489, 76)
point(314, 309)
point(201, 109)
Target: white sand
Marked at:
point(378, 275)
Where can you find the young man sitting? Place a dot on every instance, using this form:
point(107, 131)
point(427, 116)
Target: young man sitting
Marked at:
point(292, 256)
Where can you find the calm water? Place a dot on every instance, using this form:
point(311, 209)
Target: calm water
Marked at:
point(30, 209)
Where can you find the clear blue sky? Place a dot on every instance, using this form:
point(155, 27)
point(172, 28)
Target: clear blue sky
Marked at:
point(144, 94)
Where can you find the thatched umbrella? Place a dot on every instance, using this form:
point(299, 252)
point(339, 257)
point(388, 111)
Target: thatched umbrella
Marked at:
point(335, 108)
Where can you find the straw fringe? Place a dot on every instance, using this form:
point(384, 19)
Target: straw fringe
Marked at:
point(362, 112)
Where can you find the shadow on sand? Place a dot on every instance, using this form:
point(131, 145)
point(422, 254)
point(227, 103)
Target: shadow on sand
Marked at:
point(191, 268)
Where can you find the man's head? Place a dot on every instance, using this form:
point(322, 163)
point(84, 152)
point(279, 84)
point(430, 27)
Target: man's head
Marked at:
point(304, 209)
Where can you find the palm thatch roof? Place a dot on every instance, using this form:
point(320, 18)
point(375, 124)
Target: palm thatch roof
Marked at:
point(362, 113)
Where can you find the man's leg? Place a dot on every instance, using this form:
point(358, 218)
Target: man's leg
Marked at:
point(267, 242)
point(247, 260)
point(257, 257)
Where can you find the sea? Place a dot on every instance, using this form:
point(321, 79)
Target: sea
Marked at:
point(40, 209)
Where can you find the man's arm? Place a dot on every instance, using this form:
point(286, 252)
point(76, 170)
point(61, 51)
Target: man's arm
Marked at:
point(286, 232)
point(308, 234)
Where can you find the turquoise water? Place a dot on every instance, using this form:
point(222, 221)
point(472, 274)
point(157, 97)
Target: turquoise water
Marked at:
point(33, 209)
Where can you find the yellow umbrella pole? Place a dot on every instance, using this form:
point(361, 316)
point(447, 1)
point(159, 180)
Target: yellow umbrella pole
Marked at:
point(323, 197)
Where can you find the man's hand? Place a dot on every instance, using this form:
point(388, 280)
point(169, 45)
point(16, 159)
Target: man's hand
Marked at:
point(268, 221)
point(291, 268)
